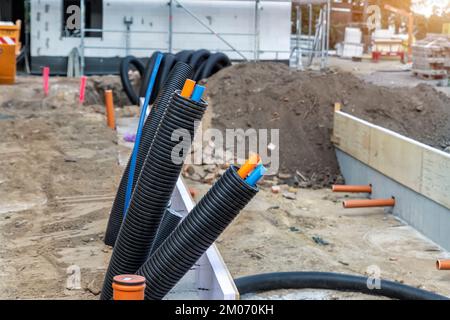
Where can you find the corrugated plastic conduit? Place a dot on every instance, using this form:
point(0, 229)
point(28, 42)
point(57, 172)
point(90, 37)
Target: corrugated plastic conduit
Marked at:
point(153, 190)
point(197, 232)
point(175, 81)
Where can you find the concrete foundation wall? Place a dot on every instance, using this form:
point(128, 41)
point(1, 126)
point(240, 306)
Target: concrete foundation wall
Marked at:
point(424, 214)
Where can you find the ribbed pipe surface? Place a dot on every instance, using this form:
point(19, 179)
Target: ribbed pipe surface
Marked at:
point(175, 81)
point(153, 190)
point(169, 222)
point(195, 234)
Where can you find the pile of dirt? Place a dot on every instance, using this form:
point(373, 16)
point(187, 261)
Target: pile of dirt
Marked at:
point(96, 87)
point(301, 104)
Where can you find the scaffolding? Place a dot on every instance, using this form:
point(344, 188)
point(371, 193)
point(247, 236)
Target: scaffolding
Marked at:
point(306, 46)
point(170, 33)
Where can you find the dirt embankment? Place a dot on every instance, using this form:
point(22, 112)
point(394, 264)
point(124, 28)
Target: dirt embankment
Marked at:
point(301, 104)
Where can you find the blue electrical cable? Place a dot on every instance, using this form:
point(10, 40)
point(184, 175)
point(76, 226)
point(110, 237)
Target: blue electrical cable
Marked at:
point(138, 133)
point(256, 175)
point(197, 93)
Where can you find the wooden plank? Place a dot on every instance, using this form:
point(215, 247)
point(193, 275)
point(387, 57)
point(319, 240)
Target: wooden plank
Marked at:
point(396, 158)
point(436, 177)
point(352, 137)
point(415, 165)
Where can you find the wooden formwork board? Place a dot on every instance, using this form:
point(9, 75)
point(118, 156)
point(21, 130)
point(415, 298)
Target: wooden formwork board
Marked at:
point(415, 165)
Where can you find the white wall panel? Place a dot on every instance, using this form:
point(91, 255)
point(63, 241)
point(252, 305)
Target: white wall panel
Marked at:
point(153, 15)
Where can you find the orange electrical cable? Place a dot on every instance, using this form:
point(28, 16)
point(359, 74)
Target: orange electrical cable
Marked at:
point(188, 88)
point(370, 203)
point(443, 264)
point(352, 189)
point(249, 165)
point(110, 116)
point(128, 287)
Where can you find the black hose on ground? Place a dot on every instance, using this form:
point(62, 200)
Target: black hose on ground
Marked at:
point(125, 65)
point(195, 234)
point(175, 81)
point(330, 281)
point(154, 188)
point(214, 64)
point(184, 56)
point(169, 222)
point(198, 58)
point(202, 61)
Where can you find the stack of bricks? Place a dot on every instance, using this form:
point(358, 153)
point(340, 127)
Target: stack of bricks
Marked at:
point(431, 57)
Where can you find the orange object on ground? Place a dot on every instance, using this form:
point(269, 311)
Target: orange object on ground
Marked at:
point(369, 203)
point(188, 87)
point(110, 116)
point(7, 63)
point(443, 264)
point(249, 165)
point(352, 189)
point(12, 31)
point(128, 287)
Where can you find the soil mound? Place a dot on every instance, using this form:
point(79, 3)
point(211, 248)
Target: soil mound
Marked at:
point(301, 104)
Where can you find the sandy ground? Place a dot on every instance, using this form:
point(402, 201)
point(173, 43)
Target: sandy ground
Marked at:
point(274, 233)
point(58, 179)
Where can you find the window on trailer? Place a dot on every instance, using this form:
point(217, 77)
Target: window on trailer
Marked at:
point(93, 18)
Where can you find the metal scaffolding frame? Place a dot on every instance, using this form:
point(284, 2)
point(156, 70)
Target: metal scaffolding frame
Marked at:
point(318, 45)
point(170, 33)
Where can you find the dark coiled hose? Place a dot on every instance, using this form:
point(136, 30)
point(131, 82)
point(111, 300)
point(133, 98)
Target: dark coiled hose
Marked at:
point(169, 222)
point(153, 189)
point(203, 62)
point(175, 81)
point(125, 65)
point(330, 281)
point(196, 233)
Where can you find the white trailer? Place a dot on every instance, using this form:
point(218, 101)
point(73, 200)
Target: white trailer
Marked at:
point(112, 29)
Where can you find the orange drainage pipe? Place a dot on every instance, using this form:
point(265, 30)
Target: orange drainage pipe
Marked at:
point(128, 287)
point(369, 203)
point(443, 264)
point(352, 189)
point(249, 165)
point(110, 116)
point(188, 88)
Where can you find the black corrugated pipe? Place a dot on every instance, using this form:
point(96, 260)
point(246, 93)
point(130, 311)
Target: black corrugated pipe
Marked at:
point(330, 281)
point(153, 189)
point(203, 62)
point(196, 233)
point(175, 81)
point(169, 222)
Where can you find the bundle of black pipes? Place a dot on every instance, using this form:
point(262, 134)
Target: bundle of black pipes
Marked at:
point(203, 62)
point(153, 189)
point(175, 81)
point(169, 222)
point(196, 233)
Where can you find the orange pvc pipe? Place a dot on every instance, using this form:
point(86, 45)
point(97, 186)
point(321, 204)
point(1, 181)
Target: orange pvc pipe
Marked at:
point(352, 189)
point(249, 165)
point(128, 287)
point(443, 264)
point(370, 203)
point(110, 116)
point(188, 87)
